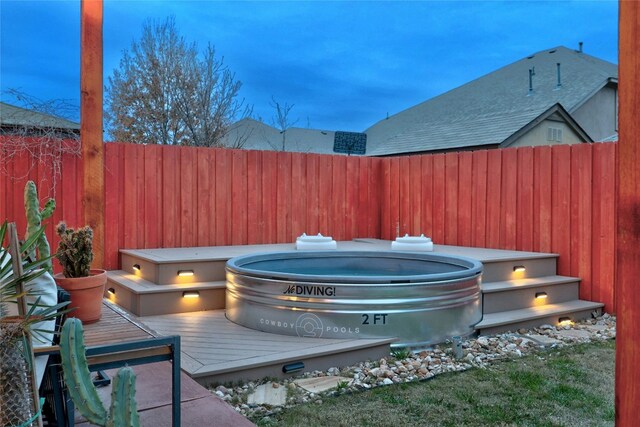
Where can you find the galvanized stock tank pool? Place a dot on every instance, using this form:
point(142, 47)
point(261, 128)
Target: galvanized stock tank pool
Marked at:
point(419, 298)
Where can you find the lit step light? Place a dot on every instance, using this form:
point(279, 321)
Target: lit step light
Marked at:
point(565, 321)
point(111, 291)
point(519, 268)
point(541, 295)
point(191, 294)
point(136, 267)
point(185, 272)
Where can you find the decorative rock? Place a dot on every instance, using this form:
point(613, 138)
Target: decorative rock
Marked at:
point(387, 381)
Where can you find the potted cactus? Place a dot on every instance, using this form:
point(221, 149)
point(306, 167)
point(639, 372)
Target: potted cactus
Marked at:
point(85, 285)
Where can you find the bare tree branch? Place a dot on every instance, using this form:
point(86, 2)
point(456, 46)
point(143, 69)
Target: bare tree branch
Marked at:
point(166, 92)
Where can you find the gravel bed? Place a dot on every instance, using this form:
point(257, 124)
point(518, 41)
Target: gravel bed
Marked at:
point(418, 365)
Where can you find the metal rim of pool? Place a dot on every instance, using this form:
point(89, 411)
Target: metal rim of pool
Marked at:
point(418, 298)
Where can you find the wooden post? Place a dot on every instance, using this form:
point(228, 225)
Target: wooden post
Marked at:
point(627, 290)
point(91, 123)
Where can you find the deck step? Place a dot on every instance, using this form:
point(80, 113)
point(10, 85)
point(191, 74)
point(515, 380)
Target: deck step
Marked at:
point(535, 316)
point(144, 298)
point(521, 293)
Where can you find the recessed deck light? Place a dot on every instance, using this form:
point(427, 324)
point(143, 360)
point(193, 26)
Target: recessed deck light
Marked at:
point(111, 291)
point(136, 267)
point(541, 295)
point(185, 272)
point(191, 294)
point(519, 268)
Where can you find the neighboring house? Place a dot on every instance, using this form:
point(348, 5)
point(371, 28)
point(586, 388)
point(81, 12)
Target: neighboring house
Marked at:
point(251, 134)
point(19, 121)
point(554, 96)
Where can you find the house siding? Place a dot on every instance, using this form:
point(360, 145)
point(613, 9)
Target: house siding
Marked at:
point(597, 116)
point(538, 135)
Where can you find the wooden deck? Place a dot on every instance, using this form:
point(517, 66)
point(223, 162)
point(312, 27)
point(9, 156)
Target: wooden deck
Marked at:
point(213, 253)
point(215, 350)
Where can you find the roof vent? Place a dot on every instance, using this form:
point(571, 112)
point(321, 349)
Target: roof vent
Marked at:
point(530, 57)
point(531, 72)
point(559, 83)
point(552, 51)
point(580, 47)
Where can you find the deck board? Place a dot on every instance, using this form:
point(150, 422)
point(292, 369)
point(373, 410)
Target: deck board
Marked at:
point(212, 344)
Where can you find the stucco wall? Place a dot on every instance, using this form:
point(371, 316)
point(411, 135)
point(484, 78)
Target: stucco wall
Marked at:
point(538, 135)
point(597, 116)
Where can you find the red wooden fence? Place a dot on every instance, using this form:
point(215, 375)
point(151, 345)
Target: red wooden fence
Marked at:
point(557, 199)
point(550, 199)
point(164, 196)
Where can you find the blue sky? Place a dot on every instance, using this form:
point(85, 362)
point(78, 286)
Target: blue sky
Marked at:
point(344, 65)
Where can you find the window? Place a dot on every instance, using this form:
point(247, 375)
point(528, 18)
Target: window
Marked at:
point(554, 134)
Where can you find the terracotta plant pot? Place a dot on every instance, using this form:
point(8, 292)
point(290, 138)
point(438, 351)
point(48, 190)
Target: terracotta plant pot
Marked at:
point(86, 294)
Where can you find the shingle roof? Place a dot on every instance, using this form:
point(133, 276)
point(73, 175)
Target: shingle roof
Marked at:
point(260, 136)
point(486, 111)
point(15, 116)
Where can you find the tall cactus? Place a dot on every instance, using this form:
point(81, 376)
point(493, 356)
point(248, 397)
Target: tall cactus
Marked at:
point(35, 216)
point(123, 411)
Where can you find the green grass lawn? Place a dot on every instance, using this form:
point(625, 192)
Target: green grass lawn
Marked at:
point(573, 386)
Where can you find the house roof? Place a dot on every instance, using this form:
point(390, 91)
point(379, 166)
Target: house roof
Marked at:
point(13, 116)
point(256, 135)
point(488, 110)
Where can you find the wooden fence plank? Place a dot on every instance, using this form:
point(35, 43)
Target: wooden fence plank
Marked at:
point(427, 196)
point(113, 206)
point(494, 202)
point(604, 224)
point(465, 202)
point(312, 181)
point(394, 225)
point(152, 182)
point(170, 193)
point(203, 191)
point(255, 220)
point(283, 201)
point(269, 197)
point(210, 176)
point(130, 197)
point(439, 199)
point(365, 209)
point(581, 207)
point(352, 190)
point(509, 197)
point(404, 195)
point(376, 201)
point(543, 165)
point(223, 188)
point(415, 165)
point(451, 186)
point(239, 197)
point(479, 197)
point(298, 194)
point(524, 204)
point(561, 209)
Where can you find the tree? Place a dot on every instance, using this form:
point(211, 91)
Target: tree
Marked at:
point(45, 130)
point(166, 92)
point(281, 120)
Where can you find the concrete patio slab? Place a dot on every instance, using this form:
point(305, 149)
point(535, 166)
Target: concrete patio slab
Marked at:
point(268, 394)
point(153, 395)
point(320, 384)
